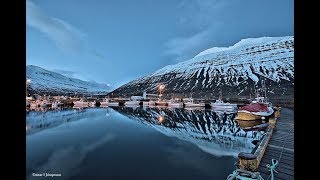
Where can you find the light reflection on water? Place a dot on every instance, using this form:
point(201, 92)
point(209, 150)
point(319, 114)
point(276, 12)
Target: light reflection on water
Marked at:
point(73, 141)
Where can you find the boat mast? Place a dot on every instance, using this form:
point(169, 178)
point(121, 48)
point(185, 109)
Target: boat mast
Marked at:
point(264, 89)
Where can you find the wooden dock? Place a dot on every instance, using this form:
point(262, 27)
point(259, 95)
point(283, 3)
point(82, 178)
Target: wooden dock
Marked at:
point(283, 132)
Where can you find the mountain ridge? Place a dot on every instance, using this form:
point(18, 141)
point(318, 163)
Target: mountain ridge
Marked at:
point(236, 70)
point(48, 82)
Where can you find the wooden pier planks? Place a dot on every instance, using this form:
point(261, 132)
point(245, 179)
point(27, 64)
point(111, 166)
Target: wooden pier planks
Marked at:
point(284, 130)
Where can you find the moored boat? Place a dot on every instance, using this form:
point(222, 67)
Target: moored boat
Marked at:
point(81, 102)
point(174, 104)
point(260, 108)
point(45, 104)
point(132, 103)
point(107, 102)
point(190, 103)
point(148, 103)
point(161, 103)
point(56, 104)
point(220, 105)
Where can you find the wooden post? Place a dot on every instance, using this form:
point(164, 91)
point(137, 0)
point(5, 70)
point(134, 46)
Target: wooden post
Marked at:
point(247, 161)
point(277, 112)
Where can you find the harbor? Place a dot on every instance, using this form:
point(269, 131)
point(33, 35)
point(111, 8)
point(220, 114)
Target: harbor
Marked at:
point(159, 90)
point(267, 154)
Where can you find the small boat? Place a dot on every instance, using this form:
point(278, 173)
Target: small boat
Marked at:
point(194, 108)
point(107, 102)
point(33, 105)
point(260, 108)
point(190, 103)
point(45, 104)
point(81, 102)
point(148, 103)
point(220, 105)
point(132, 103)
point(54, 105)
point(93, 103)
point(161, 103)
point(145, 103)
point(152, 103)
point(174, 104)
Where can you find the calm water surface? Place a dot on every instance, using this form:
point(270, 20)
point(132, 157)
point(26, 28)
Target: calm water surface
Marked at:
point(134, 143)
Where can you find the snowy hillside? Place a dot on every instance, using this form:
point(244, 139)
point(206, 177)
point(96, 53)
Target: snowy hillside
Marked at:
point(237, 70)
point(48, 82)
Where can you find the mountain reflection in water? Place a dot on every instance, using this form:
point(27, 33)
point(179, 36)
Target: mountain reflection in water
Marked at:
point(123, 142)
point(213, 131)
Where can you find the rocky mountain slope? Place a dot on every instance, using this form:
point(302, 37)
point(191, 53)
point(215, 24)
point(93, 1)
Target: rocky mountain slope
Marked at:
point(236, 70)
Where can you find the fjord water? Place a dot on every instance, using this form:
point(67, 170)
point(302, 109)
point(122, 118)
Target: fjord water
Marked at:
point(134, 143)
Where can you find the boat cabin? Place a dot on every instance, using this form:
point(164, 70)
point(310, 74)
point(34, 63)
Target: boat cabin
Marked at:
point(262, 100)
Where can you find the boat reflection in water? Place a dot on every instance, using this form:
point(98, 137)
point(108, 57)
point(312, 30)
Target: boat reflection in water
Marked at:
point(215, 132)
point(44, 118)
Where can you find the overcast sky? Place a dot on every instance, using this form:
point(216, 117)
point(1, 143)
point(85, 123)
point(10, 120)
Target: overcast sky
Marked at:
point(115, 41)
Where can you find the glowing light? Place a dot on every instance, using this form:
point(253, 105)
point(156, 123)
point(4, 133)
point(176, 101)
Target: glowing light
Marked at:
point(161, 87)
point(161, 119)
point(28, 80)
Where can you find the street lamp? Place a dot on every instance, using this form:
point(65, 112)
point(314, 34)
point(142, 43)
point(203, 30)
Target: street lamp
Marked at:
point(161, 89)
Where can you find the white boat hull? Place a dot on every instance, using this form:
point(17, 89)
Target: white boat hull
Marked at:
point(223, 107)
point(262, 113)
point(109, 103)
point(245, 115)
point(194, 105)
point(176, 105)
point(132, 103)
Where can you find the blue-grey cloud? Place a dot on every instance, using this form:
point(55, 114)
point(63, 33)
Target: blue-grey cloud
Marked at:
point(182, 47)
point(198, 14)
point(63, 34)
point(218, 23)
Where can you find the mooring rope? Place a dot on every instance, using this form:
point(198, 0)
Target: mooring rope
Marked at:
point(272, 168)
point(274, 162)
point(240, 174)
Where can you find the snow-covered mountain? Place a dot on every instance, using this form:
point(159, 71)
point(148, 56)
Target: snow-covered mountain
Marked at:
point(237, 70)
point(214, 132)
point(48, 82)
